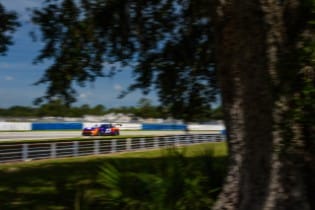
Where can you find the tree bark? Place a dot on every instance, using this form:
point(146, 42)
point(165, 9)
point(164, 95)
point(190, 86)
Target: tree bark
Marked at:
point(250, 37)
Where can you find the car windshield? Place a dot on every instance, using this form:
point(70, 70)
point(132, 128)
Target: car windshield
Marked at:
point(106, 126)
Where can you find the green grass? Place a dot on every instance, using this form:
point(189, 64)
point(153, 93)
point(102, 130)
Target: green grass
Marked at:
point(54, 184)
point(219, 150)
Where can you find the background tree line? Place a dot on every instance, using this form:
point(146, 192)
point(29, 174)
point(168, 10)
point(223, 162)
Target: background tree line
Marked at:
point(144, 109)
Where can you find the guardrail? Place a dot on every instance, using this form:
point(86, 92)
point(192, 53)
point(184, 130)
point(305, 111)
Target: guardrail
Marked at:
point(16, 152)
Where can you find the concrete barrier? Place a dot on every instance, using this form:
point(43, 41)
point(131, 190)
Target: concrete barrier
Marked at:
point(27, 126)
point(201, 127)
point(130, 126)
point(15, 126)
point(57, 126)
point(149, 126)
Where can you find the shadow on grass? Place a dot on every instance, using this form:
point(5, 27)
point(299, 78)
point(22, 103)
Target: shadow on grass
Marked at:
point(80, 185)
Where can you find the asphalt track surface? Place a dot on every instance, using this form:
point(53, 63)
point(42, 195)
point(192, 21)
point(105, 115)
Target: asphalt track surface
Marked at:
point(36, 135)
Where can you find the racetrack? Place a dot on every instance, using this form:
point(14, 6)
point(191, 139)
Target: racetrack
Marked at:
point(35, 135)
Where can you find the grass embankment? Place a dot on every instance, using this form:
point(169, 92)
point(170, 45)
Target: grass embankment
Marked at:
point(75, 183)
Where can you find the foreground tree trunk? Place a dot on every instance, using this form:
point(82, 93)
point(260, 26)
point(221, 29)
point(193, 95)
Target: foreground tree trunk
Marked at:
point(266, 164)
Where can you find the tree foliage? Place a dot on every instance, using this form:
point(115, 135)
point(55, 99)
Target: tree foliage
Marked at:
point(8, 25)
point(168, 44)
point(71, 43)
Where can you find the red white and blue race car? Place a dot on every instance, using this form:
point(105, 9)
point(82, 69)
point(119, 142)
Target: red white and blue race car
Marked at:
point(106, 129)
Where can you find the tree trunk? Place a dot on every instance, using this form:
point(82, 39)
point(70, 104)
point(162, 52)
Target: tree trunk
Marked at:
point(250, 36)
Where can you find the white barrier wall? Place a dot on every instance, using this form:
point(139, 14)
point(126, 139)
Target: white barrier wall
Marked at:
point(15, 126)
point(198, 127)
point(26, 126)
point(131, 126)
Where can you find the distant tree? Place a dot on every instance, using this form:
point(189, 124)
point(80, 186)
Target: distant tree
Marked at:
point(146, 109)
point(85, 109)
point(98, 110)
point(54, 108)
point(19, 111)
point(8, 25)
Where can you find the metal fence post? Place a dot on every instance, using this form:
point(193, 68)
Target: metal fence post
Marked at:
point(170, 141)
point(128, 144)
point(196, 138)
point(24, 152)
point(53, 150)
point(142, 143)
point(213, 138)
point(156, 142)
point(205, 138)
point(96, 149)
point(177, 140)
point(192, 139)
point(75, 148)
point(113, 146)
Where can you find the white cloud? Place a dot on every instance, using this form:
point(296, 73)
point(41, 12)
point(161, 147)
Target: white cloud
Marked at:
point(8, 78)
point(118, 87)
point(85, 95)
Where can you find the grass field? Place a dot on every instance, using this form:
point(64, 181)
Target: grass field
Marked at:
point(59, 184)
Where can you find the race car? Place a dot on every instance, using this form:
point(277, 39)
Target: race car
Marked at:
point(107, 129)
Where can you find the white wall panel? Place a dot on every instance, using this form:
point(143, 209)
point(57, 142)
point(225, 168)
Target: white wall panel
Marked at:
point(197, 127)
point(131, 126)
point(15, 126)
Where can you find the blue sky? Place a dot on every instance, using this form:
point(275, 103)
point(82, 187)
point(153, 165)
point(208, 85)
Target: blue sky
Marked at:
point(17, 73)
